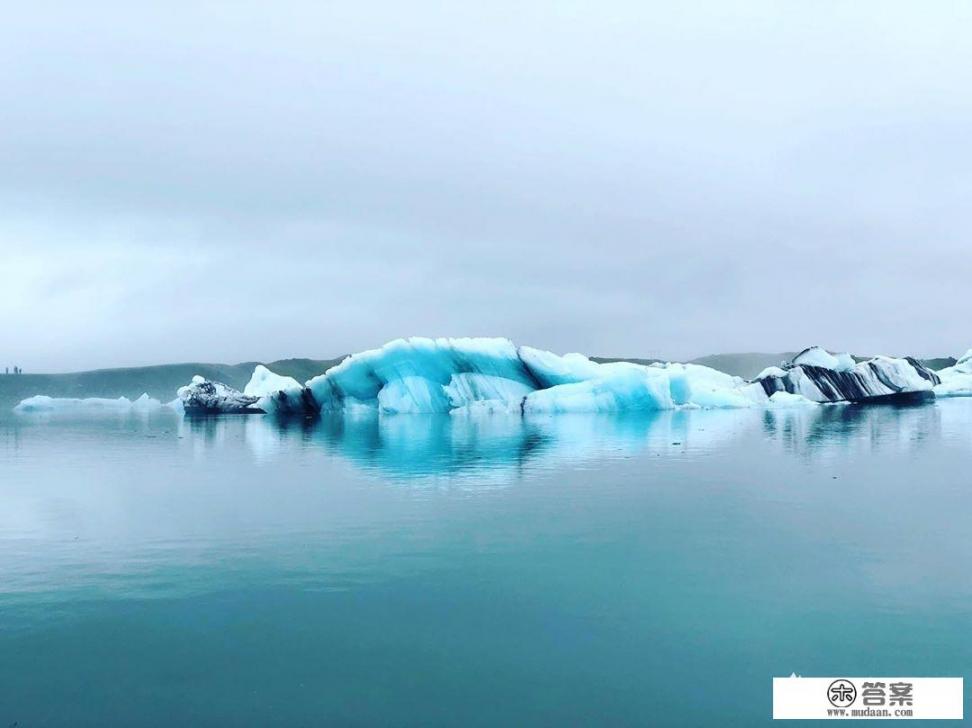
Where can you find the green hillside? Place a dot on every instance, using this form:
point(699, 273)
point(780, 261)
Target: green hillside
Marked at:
point(611, 359)
point(746, 365)
point(159, 381)
point(939, 363)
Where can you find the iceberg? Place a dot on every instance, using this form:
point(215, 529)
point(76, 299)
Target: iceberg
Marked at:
point(202, 396)
point(264, 382)
point(426, 446)
point(420, 375)
point(820, 376)
point(956, 380)
point(88, 405)
point(467, 375)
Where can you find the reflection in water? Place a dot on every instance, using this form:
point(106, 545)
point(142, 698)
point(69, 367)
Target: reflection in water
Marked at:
point(416, 446)
point(830, 431)
point(89, 490)
point(424, 445)
point(409, 446)
point(242, 564)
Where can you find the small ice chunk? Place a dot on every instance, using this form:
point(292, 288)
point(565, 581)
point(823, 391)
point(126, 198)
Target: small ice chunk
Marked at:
point(86, 405)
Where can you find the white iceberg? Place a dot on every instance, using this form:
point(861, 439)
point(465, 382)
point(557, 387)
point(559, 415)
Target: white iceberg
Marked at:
point(88, 405)
point(263, 382)
point(956, 380)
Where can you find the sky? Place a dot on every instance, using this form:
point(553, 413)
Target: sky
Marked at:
point(252, 181)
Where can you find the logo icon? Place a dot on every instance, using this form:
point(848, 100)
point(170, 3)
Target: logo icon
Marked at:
point(842, 693)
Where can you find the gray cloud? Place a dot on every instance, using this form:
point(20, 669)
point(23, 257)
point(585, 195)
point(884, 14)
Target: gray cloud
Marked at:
point(235, 181)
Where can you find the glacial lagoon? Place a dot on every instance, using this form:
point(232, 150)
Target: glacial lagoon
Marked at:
point(157, 570)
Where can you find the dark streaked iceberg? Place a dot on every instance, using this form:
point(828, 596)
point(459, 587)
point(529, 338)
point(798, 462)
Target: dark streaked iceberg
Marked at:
point(203, 397)
point(821, 376)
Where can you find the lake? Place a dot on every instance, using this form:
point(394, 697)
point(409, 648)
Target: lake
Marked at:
point(437, 570)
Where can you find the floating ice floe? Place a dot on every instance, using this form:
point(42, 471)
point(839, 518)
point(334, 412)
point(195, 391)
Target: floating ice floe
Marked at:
point(66, 405)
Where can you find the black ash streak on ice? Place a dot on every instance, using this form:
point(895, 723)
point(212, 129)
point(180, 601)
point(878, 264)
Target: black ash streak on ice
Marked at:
point(204, 397)
point(852, 385)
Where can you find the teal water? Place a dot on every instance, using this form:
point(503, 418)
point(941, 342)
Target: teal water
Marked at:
point(654, 570)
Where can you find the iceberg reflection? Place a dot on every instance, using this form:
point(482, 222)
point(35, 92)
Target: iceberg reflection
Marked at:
point(833, 431)
point(426, 445)
point(429, 445)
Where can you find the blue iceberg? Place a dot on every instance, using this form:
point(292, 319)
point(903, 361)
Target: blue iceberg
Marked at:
point(467, 375)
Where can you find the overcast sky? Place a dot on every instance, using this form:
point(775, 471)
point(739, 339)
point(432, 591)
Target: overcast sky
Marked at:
point(227, 182)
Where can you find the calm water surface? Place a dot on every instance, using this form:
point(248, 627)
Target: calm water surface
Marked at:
point(418, 570)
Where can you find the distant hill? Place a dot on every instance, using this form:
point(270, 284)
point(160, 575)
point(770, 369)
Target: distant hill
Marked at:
point(159, 381)
point(612, 359)
point(939, 363)
point(746, 365)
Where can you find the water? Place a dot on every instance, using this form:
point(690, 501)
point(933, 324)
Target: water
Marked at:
point(450, 571)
